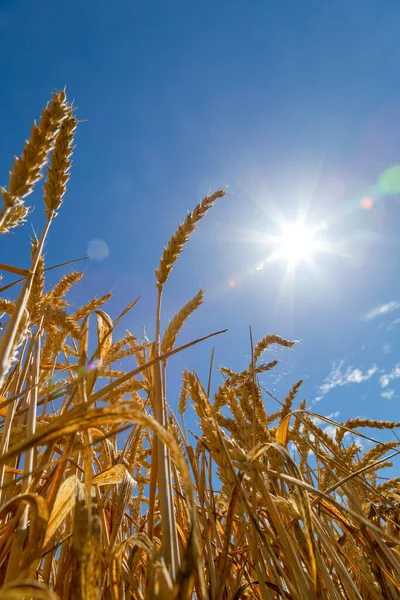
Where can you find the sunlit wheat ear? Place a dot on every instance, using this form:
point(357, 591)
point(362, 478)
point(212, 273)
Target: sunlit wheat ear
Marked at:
point(375, 453)
point(60, 164)
point(356, 423)
point(178, 321)
point(184, 395)
point(6, 306)
point(388, 485)
point(287, 405)
point(90, 306)
point(268, 340)
point(322, 436)
point(12, 216)
point(57, 294)
point(26, 169)
point(181, 236)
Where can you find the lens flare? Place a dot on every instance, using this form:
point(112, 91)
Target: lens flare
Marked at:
point(367, 203)
point(389, 181)
point(98, 249)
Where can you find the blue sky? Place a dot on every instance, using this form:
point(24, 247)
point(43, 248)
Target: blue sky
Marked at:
point(295, 106)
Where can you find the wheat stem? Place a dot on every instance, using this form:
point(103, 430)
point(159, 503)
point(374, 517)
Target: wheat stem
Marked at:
point(7, 342)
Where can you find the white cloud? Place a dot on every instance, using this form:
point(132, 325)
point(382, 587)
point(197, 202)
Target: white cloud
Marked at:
point(385, 379)
point(383, 309)
point(393, 324)
point(387, 348)
point(330, 430)
point(388, 394)
point(333, 415)
point(337, 378)
point(357, 376)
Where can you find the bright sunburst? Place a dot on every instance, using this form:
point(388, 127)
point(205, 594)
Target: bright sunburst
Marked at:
point(296, 243)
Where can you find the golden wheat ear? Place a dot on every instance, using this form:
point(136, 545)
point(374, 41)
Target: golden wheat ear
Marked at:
point(178, 321)
point(26, 170)
point(181, 236)
point(58, 172)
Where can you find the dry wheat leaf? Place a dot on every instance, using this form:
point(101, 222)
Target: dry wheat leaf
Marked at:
point(114, 474)
point(141, 540)
point(64, 503)
point(104, 335)
point(281, 435)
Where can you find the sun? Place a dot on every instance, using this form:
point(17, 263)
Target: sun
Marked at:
point(296, 243)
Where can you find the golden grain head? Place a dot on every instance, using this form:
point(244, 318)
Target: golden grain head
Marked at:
point(26, 169)
point(178, 321)
point(181, 236)
point(12, 216)
point(184, 395)
point(269, 340)
point(58, 172)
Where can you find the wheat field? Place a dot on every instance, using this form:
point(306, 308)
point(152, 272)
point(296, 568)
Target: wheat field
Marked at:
point(104, 492)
